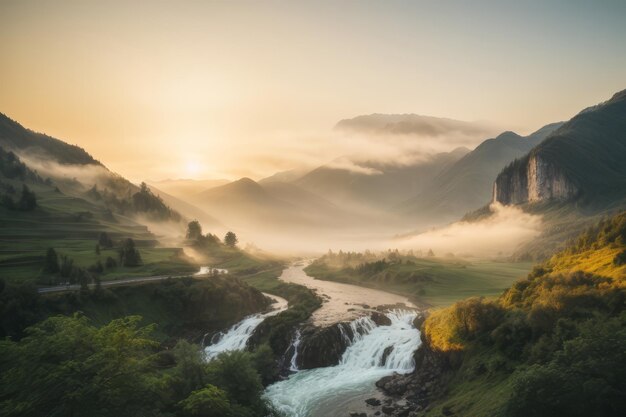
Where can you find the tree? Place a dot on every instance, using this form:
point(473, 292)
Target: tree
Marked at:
point(110, 263)
point(105, 241)
point(51, 264)
point(209, 401)
point(230, 239)
point(28, 200)
point(67, 367)
point(97, 249)
point(129, 255)
point(234, 372)
point(67, 266)
point(430, 253)
point(194, 230)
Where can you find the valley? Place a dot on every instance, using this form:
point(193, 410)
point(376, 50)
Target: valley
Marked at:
point(312, 209)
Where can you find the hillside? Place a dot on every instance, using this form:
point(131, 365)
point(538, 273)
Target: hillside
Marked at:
point(15, 137)
point(467, 184)
point(73, 226)
point(583, 160)
point(552, 345)
point(41, 211)
point(78, 174)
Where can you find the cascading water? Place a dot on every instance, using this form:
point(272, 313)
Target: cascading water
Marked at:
point(374, 352)
point(237, 336)
point(293, 366)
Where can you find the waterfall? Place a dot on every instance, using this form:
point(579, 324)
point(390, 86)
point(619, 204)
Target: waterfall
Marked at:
point(295, 344)
point(374, 351)
point(237, 336)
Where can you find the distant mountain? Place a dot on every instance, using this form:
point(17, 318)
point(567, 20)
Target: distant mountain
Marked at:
point(467, 184)
point(248, 204)
point(583, 160)
point(386, 185)
point(285, 176)
point(188, 210)
point(185, 188)
point(411, 124)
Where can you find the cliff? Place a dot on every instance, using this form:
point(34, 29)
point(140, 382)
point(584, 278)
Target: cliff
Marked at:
point(533, 179)
point(581, 160)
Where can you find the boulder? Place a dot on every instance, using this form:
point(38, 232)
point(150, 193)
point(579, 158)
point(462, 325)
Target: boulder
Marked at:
point(321, 347)
point(380, 319)
point(373, 401)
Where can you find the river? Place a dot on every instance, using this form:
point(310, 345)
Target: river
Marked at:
point(236, 337)
point(342, 302)
point(373, 351)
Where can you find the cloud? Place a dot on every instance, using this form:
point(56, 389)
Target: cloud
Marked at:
point(500, 234)
point(362, 151)
point(85, 174)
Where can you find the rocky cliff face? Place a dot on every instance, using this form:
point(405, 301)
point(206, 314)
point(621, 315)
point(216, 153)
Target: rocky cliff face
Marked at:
point(532, 179)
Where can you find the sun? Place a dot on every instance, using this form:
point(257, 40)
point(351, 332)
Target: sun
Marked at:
point(193, 168)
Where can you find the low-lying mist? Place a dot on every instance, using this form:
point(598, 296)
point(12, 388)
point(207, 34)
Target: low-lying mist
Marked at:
point(500, 234)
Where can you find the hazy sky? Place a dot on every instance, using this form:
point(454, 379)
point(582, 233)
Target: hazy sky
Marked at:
point(160, 89)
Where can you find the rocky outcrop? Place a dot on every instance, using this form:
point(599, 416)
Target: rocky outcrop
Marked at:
point(531, 179)
point(411, 393)
point(322, 346)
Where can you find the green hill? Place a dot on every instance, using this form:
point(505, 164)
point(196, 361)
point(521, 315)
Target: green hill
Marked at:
point(554, 344)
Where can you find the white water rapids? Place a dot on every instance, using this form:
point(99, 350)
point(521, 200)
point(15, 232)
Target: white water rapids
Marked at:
point(373, 351)
point(237, 336)
point(360, 367)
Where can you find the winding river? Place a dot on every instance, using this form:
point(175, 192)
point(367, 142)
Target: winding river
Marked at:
point(373, 351)
point(342, 302)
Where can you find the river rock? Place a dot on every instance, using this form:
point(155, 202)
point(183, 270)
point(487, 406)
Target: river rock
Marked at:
point(321, 347)
point(386, 354)
point(388, 409)
point(373, 401)
point(380, 319)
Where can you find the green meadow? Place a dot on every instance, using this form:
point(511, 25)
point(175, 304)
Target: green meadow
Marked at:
point(431, 282)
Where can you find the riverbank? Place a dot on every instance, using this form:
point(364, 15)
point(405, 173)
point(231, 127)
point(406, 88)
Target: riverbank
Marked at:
point(426, 282)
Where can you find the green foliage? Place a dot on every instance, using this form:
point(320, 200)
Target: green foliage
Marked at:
point(28, 200)
point(209, 401)
point(584, 378)
point(128, 254)
point(145, 202)
point(230, 239)
point(428, 281)
point(561, 333)
point(72, 366)
point(235, 373)
point(194, 230)
point(105, 241)
point(65, 366)
point(20, 307)
point(51, 265)
point(12, 167)
point(110, 263)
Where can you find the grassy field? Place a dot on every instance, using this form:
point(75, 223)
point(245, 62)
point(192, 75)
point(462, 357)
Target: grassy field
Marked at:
point(71, 226)
point(432, 282)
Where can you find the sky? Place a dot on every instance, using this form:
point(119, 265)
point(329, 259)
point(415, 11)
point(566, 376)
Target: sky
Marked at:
point(199, 89)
